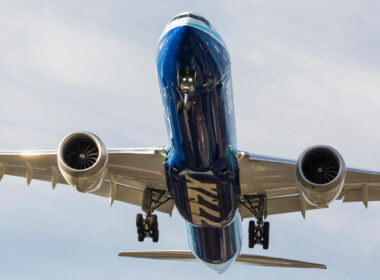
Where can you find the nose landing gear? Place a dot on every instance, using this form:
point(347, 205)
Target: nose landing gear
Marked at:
point(185, 105)
point(188, 107)
point(257, 233)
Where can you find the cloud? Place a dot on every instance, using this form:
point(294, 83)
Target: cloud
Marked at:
point(304, 73)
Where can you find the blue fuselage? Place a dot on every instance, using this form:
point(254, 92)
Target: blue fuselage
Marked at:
point(201, 169)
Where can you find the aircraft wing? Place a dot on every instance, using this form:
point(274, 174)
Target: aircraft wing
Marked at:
point(130, 173)
point(276, 179)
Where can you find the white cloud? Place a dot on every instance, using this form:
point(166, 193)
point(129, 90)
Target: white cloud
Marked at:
point(304, 73)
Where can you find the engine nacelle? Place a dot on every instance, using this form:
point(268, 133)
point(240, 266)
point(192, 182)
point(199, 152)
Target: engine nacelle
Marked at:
point(83, 161)
point(320, 171)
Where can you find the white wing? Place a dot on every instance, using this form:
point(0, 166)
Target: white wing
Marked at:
point(133, 171)
point(276, 178)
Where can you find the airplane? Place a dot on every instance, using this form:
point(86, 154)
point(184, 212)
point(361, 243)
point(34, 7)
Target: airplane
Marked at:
point(212, 184)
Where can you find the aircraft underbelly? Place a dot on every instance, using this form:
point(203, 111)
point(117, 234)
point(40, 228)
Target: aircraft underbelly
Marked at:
point(205, 198)
point(202, 172)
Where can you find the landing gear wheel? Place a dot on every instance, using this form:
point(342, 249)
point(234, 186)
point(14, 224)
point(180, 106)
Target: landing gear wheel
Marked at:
point(251, 242)
point(251, 234)
point(139, 220)
point(179, 107)
point(140, 226)
point(153, 222)
point(155, 235)
point(147, 227)
point(266, 236)
point(140, 230)
point(140, 237)
point(189, 108)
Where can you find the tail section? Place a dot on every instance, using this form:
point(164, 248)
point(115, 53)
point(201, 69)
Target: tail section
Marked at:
point(241, 259)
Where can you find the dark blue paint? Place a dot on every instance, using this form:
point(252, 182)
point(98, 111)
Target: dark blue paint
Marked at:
point(202, 143)
point(217, 247)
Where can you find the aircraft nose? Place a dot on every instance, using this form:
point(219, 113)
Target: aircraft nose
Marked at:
point(185, 34)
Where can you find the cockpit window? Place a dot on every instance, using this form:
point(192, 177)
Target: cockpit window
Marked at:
point(205, 21)
point(181, 16)
point(202, 19)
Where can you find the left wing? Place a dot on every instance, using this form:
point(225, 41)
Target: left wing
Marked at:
point(276, 179)
point(130, 172)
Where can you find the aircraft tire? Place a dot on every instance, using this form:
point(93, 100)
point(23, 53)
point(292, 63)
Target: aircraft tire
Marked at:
point(266, 236)
point(251, 234)
point(139, 220)
point(251, 228)
point(140, 237)
point(140, 230)
point(153, 222)
point(179, 107)
point(156, 235)
point(189, 108)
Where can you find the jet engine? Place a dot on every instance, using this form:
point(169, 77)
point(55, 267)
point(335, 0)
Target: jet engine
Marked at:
point(83, 160)
point(320, 172)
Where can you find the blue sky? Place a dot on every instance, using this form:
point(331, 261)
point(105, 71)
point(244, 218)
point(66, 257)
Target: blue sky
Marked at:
point(304, 73)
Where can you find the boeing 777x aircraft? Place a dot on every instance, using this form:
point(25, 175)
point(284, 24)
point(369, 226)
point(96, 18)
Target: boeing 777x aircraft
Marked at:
point(212, 184)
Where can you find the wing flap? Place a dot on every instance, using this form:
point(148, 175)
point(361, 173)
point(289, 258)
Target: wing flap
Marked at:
point(358, 195)
point(279, 205)
point(35, 173)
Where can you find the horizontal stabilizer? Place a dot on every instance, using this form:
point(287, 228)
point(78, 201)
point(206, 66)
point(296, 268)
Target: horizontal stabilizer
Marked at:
point(242, 259)
point(161, 255)
point(271, 261)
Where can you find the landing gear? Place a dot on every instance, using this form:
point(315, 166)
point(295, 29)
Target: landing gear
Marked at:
point(179, 107)
point(257, 233)
point(185, 105)
point(189, 108)
point(148, 226)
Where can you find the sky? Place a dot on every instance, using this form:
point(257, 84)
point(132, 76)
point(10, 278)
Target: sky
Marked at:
point(304, 73)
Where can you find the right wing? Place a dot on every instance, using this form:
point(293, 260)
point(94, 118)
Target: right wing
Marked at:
point(130, 173)
point(276, 179)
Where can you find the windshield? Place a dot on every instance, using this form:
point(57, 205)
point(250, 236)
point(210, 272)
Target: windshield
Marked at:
point(205, 21)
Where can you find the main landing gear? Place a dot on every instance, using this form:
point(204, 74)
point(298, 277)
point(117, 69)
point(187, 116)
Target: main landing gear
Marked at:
point(148, 226)
point(258, 233)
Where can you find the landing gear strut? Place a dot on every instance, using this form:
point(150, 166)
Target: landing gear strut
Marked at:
point(258, 233)
point(148, 226)
point(185, 105)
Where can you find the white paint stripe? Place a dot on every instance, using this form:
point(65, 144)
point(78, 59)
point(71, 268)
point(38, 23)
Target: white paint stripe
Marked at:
point(196, 24)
